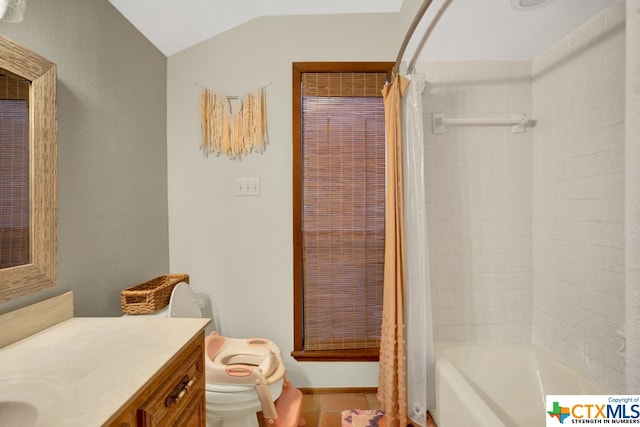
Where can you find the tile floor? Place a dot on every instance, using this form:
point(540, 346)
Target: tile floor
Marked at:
point(325, 409)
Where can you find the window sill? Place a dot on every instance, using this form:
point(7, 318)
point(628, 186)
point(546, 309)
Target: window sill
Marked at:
point(362, 355)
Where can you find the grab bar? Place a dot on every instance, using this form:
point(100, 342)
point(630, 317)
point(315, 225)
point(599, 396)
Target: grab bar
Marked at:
point(518, 122)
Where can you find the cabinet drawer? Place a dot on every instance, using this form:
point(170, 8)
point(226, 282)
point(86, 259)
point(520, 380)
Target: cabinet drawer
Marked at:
point(194, 413)
point(175, 390)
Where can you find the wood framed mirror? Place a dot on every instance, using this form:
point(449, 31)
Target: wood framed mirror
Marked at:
point(37, 267)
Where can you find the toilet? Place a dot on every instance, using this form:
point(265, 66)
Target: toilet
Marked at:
point(243, 376)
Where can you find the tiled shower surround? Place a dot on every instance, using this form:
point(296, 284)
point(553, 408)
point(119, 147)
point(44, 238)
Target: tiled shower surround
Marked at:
point(578, 197)
point(526, 230)
point(479, 203)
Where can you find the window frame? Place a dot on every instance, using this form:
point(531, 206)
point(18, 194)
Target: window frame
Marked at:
point(298, 68)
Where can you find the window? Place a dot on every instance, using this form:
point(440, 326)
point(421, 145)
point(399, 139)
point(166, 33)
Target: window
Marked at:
point(338, 203)
point(14, 171)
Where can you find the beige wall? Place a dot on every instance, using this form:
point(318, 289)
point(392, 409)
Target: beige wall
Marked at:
point(111, 148)
point(632, 196)
point(238, 250)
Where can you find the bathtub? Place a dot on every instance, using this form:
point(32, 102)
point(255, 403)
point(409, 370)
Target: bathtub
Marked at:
point(496, 385)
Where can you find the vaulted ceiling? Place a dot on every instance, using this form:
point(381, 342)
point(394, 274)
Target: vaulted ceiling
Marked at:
point(470, 29)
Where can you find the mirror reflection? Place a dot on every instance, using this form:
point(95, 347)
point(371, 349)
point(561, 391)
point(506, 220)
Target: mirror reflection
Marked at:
point(15, 200)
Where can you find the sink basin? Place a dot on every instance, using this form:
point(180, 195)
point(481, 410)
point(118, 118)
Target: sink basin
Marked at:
point(30, 402)
point(18, 414)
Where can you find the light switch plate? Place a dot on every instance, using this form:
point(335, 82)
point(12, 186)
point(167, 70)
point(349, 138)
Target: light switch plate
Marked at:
point(247, 186)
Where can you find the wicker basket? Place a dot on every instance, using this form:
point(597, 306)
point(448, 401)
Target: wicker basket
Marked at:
point(151, 296)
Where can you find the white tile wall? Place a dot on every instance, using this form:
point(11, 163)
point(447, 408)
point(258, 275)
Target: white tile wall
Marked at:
point(526, 231)
point(578, 197)
point(479, 203)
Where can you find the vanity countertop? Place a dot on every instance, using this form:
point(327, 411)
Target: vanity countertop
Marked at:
point(95, 364)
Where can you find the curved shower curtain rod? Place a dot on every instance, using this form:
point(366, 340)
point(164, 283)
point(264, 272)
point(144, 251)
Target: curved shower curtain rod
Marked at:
point(410, 31)
point(412, 28)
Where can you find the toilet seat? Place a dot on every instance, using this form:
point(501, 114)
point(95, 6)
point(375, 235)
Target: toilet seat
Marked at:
point(235, 361)
point(253, 368)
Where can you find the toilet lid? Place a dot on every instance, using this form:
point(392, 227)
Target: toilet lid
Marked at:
point(183, 302)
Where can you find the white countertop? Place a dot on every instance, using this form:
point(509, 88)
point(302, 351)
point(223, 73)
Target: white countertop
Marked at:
point(84, 370)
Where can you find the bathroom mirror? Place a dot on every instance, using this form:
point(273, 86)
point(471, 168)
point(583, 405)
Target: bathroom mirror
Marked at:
point(28, 180)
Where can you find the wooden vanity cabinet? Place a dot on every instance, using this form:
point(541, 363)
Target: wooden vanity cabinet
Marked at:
point(175, 396)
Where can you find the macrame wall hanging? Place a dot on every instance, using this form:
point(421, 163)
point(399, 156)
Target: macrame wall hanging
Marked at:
point(234, 134)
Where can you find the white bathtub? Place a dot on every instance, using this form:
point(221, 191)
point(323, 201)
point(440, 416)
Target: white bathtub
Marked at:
point(496, 385)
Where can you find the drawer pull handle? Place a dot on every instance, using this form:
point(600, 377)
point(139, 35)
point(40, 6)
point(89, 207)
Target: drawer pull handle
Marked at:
point(179, 391)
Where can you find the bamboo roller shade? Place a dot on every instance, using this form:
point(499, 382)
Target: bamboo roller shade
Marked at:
point(343, 216)
point(14, 170)
point(12, 86)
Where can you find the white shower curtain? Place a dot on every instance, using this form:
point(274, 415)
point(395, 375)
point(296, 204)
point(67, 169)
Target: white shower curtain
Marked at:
point(419, 330)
